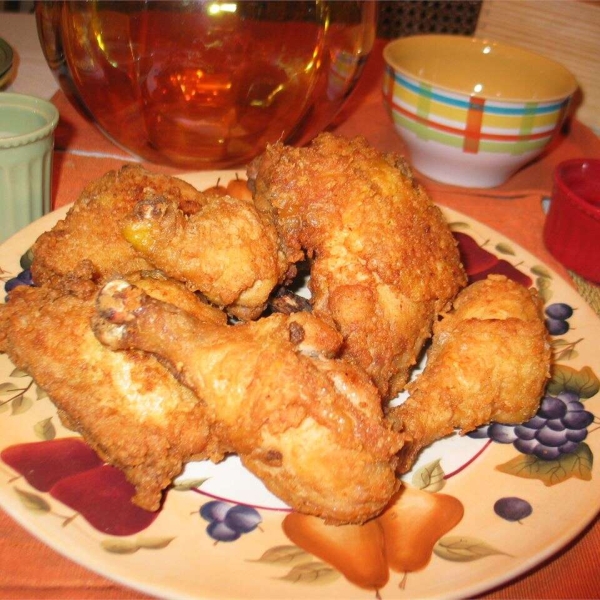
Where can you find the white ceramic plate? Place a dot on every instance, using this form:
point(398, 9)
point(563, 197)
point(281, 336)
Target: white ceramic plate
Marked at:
point(175, 556)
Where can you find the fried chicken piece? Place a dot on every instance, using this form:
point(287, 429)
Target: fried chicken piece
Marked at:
point(126, 405)
point(91, 230)
point(225, 249)
point(131, 220)
point(489, 361)
point(384, 262)
point(310, 426)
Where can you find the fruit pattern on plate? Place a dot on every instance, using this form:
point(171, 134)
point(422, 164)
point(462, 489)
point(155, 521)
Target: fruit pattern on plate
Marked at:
point(419, 521)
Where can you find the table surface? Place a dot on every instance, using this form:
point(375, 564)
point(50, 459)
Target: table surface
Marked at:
point(32, 570)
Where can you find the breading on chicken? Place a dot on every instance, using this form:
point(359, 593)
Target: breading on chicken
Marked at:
point(224, 249)
point(92, 231)
point(489, 361)
point(133, 220)
point(384, 262)
point(152, 376)
point(126, 405)
point(309, 425)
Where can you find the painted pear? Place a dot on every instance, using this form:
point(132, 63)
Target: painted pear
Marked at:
point(357, 551)
point(45, 463)
point(474, 258)
point(412, 524)
point(102, 496)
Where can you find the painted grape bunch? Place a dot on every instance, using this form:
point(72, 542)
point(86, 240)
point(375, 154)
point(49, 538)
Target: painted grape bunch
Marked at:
point(558, 427)
point(557, 318)
point(23, 278)
point(226, 522)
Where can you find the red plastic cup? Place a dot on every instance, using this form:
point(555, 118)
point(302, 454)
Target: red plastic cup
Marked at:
point(572, 228)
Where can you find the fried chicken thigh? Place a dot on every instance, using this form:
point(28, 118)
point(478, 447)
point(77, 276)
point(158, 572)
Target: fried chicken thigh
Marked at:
point(309, 425)
point(225, 249)
point(384, 262)
point(132, 220)
point(126, 405)
point(489, 361)
point(92, 231)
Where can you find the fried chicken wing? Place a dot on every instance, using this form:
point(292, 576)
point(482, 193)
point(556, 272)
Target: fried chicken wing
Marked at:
point(309, 425)
point(384, 262)
point(225, 249)
point(92, 231)
point(489, 361)
point(126, 405)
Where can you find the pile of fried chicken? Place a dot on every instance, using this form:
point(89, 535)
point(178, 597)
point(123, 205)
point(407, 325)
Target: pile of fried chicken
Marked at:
point(151, 327)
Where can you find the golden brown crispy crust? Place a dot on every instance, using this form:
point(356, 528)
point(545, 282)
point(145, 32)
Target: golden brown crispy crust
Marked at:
point(132, 220)
point(310, 426)
point(224, 249)
point(384, 260)
point(126, 405)
point(91, 230)
point(292, 394)
point(489, 361)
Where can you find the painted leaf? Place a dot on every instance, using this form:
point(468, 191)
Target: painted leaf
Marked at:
point(567, 379)
point(503, 248)
point(464, 549)
point(40, 394)
point(45, 429)
point(8, 389)
point(543, 285)
point(26, 260)
point(20, 405)
point(568, 353)
point(33, 502)
point(286, 555)
point(541, 271)
point(559, 343)
point(16, 372)
point(185, 485)
point(577, 464)
point(312, 573)
point(545, 295)
point(430, 477)
point(154, 543)
point(564, 350)
point(117, 546)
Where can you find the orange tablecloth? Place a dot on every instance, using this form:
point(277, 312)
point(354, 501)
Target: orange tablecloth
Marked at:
point(32, 570)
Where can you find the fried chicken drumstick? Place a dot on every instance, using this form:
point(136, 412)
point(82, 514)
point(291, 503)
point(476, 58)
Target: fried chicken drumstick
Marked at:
point(310, 426)
point(126, 405)
point(384, 262)
point(489, 361)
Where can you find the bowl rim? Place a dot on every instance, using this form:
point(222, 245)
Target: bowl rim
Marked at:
point(463, 39)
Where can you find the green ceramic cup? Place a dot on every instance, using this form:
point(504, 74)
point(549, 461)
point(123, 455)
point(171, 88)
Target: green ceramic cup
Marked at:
point(27, 127)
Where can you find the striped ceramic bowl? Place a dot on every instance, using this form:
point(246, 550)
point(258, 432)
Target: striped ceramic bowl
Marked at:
point(472, 111)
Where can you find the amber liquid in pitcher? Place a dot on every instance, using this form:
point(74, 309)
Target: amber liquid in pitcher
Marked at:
point(204, 84)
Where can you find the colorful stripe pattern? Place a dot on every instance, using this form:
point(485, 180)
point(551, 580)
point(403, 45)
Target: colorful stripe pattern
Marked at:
point(475, 124)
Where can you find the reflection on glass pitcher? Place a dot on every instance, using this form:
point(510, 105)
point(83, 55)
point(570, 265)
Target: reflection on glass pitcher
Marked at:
point(207, 84)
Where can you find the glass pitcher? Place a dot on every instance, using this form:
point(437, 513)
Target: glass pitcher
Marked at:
point(205, 84)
